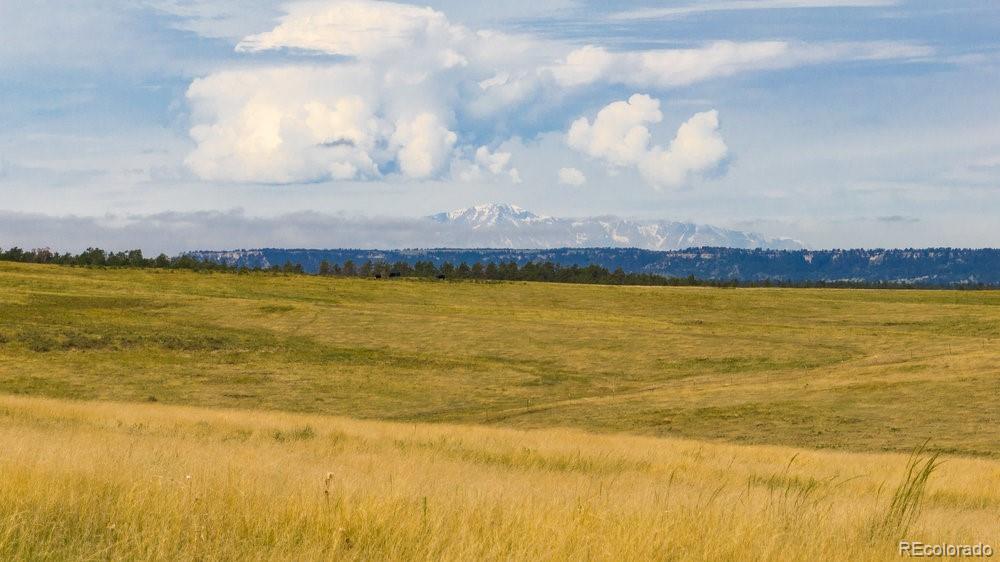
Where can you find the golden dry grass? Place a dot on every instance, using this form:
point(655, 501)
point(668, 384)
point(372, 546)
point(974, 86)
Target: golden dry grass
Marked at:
point(112, 481)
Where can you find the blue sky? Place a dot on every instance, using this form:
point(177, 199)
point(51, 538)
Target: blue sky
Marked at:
point(838, 122)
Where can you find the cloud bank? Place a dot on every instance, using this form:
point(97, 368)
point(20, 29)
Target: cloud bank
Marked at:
point(368, 91)
point(211, 230)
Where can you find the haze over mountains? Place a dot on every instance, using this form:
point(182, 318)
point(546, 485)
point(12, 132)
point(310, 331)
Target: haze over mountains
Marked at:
point(482, 226)
point(507, 233)
point(509, 226)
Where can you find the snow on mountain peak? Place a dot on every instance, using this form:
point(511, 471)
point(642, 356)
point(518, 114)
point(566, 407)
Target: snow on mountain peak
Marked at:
point(488, 215)
point(500, 225)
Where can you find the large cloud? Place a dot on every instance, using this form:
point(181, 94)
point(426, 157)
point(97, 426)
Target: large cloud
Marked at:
point(284, 125)
point(391, 108)
point(619, 136)
point(401, 90)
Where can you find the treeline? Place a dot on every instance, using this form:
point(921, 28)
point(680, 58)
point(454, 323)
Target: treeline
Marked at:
point(96, 257)
point(504, 271)
point(591, 274)
point(490, 271)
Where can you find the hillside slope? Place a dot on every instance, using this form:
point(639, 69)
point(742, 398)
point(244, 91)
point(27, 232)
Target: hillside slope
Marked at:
point(861, 370)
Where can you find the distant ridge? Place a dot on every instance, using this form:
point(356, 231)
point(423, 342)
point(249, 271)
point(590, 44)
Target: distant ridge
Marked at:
point(930, 266)
point(501, 225)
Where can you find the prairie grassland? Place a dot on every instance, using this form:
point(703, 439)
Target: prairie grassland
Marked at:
point(845, 369)
point(113, 481)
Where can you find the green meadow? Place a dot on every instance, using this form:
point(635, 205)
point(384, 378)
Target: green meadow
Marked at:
point(857, 370)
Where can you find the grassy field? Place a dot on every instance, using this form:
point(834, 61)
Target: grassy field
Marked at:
point(221, 416)
point(845, 369)
point(110, 481)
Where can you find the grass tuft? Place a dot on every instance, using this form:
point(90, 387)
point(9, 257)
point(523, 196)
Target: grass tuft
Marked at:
point(908, 499)
point(299, 434)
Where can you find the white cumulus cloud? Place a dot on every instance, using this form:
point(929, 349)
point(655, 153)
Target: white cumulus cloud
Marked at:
point(285, 125)
point(697, 148)
point(403, 91)
point(619, 136)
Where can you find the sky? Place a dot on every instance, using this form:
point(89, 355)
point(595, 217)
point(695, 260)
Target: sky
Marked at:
point(163, 123)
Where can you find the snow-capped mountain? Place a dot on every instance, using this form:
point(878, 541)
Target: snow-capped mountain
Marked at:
point(490, 216)
point(510, 226)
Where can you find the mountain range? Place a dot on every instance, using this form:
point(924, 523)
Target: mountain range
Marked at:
point(507, 233)
point(510, 226)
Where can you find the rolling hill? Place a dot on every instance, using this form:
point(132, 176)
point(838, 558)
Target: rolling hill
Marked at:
point(150, 414)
